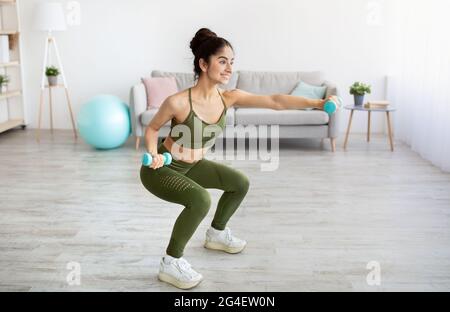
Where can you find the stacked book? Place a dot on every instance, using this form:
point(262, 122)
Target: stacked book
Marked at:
point(376, 104)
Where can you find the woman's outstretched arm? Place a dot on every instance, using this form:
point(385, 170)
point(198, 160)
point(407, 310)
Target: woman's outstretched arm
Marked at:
point(241, 98)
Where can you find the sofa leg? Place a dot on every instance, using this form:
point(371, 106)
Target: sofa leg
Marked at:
point(333, 144)
point(138, 141)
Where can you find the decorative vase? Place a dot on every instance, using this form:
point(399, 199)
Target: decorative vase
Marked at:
point(359, 99)
point(52, 80)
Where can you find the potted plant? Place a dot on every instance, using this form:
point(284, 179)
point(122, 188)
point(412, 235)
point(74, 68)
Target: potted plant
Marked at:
point(358, 90)
point(52, 74)
point(4, 79)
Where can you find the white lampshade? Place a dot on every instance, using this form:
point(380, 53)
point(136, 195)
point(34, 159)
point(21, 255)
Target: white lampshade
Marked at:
point(49, 16)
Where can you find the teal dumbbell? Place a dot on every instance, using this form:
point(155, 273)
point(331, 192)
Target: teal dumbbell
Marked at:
point(331, 105)
point(147, 159)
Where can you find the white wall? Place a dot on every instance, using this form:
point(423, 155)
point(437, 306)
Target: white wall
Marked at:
point(120, 41)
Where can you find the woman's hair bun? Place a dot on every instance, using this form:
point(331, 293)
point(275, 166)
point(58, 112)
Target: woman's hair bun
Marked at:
point(202, 35)
point(204, 44)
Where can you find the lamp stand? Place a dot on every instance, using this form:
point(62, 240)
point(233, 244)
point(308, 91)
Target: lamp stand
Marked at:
point(49, 42)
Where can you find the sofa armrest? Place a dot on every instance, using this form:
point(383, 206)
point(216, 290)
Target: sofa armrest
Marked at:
point(333, 124)
point(138, 105)
point(331, 88)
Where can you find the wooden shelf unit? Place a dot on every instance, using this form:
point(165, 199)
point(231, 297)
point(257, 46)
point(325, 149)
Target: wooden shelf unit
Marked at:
point(12, 123)
point(12, 105)
point(10, 94)
point(10, 64)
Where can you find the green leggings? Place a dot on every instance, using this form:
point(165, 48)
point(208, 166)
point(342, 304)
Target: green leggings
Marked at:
point(185, 184)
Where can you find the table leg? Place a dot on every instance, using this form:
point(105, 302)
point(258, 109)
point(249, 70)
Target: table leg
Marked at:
point(348, 129)
point(368, 128)
point(41, 101)
point(71, 113)
point(51, 107)
point(390, 131)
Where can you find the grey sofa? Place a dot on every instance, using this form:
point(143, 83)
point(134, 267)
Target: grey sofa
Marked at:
point(292, 123)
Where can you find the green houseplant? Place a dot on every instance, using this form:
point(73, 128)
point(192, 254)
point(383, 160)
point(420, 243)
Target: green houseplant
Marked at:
point(52, 74)
point(4, 79)
point(358, 90)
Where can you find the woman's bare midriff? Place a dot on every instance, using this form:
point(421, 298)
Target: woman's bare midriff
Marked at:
point(181, 153)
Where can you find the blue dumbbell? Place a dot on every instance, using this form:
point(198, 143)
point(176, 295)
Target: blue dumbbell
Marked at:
point(147, 159)
point(331, 105)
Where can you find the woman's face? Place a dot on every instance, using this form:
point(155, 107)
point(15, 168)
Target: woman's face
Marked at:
point(220, 66)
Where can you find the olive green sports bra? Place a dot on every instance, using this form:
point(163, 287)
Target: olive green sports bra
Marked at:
point(193, 132)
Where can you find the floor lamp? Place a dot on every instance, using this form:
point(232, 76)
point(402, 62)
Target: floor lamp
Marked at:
point(50, 17)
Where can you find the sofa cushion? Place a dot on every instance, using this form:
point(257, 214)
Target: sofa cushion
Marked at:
point(276, 82)
point(186, 80)
point(158, 89)
point(266, 116)
point(309, 91)
point(147, 116)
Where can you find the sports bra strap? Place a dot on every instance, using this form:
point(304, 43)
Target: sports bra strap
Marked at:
point(190, 98)
point(223, 102)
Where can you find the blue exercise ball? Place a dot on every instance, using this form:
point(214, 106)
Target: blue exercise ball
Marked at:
point(104, 122)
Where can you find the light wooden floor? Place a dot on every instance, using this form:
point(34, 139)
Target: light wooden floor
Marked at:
point(312, 225)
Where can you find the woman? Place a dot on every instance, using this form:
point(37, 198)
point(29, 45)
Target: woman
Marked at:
point(186, 179)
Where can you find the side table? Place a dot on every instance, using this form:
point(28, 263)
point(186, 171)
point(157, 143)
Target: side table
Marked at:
point(386, 110)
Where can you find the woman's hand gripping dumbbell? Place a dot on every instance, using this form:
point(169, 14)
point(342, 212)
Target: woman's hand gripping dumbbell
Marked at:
point(332, 104)
point(156, 162)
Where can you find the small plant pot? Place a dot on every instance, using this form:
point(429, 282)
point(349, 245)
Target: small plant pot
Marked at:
point(52, 80)
point(359, 99)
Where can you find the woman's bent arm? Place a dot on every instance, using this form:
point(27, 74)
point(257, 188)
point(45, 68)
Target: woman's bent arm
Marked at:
point(165, 113)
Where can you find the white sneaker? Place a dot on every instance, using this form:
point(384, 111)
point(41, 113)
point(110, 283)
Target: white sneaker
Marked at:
point(223, 240)
point(178, 272)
